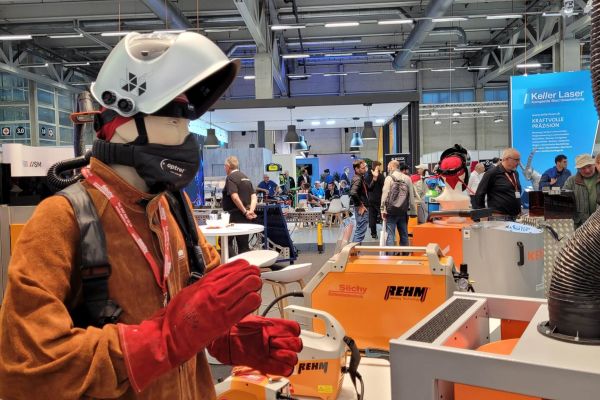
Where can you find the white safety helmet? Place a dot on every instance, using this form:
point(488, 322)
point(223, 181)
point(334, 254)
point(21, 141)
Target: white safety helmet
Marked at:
point(145, 72)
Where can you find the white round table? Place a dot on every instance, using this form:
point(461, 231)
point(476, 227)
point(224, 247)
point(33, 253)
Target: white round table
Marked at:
point(233, 230)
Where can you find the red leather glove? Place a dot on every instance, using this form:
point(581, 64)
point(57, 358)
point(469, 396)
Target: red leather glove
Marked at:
point(266, 344)
point(193, 318)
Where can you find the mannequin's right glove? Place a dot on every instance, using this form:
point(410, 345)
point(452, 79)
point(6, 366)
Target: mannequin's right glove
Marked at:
point(193, 318)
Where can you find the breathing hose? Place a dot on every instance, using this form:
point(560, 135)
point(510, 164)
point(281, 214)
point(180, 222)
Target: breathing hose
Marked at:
point(56, 181)
point(574, 294)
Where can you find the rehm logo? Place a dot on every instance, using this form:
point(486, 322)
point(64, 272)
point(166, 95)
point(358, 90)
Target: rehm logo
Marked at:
point(313, 366)
point(403, 292)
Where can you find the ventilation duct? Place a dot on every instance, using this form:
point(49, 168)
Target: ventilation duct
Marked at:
point(166, 11)
point(435, 9)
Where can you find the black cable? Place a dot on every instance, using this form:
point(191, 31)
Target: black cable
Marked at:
point(283, 296)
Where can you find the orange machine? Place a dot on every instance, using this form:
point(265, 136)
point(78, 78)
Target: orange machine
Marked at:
point(248, 384)
point(376, 297)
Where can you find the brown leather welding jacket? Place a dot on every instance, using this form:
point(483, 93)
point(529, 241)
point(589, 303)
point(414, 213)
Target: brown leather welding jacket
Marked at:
point(43, 356)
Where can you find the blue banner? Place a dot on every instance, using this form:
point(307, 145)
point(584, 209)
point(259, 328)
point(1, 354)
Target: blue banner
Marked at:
point(551, 114)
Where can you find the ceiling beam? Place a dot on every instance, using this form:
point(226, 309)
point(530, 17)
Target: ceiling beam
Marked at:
point(253, 14)
point(35, 77)
point(573, 28)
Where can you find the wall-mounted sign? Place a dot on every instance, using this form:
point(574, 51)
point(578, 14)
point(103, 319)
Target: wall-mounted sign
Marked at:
point(6, 131)
point(272, 167)
point(50, 132)
point(552, 114)
point(43, 131)
point(20, 130)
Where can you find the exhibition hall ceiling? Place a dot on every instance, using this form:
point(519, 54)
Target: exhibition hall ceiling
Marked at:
point(68, 40)
point(318, 117)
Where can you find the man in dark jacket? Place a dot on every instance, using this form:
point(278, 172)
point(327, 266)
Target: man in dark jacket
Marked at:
point(502, 187)
point(585, 185)
point(374, 186)
point(557, 175)
point(360, 199)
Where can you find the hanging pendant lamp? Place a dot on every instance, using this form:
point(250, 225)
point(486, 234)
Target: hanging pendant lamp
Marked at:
point(211, 140)
point(368, 132)
point(291, 136)
point(301, 145)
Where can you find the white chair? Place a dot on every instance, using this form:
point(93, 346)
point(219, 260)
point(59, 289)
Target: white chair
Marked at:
point(278, 280)
point(335, 212)
point(345, 201)
point(260, 258)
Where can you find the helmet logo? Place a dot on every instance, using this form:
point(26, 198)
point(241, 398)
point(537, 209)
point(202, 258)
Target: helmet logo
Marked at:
point(167, 166)
point(133, 83)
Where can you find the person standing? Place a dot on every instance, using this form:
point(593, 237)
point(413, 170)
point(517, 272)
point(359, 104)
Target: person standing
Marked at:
point(304, 177)
point(288, 183)
point(417, 179)
point(585, 185)
point(397, 221)
point(502, 187)
point(239, 200)
point(346, 175)
point(374, 186)
point(474, 181)
point(557, 175)
point(360, 199)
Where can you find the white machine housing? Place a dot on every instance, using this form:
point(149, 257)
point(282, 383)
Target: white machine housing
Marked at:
point(424, 367)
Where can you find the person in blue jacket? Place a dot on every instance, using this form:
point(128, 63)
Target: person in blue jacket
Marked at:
point(557, 175)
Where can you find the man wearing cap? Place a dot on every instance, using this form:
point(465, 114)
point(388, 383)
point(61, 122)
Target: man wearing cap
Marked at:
point(417, 179)
point(585, 186)
point(501, 186)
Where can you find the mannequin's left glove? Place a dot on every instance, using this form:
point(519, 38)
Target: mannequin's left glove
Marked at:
point(193, 318)
point(266, 344)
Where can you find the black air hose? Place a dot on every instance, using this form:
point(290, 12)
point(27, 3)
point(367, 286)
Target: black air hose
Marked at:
point(56, 182)
point(595, 47)
point(574, 295)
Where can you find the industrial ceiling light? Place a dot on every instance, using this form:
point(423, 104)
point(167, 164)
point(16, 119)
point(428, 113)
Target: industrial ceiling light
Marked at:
point(455, 122)
point(434, 113)
point(498, 120)
point(284, 27)
point(368, 132)
point(437, 122)
point(66, 36)
point(15, 37)
point(456, 114)
point(505, 16)
point(529, 65)
point(449, 19)
point(116, 33)
point(356, 137)
point(341, 24)
point(295, 55)
point(301, 145)
point(380, 121)
point(291, 136)
point(249, 77)
point(482, 111)
point(395, 21)
point(211, 140)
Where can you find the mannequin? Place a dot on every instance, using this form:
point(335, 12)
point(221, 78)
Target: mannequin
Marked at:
point(164, 130)
point(154, 348)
